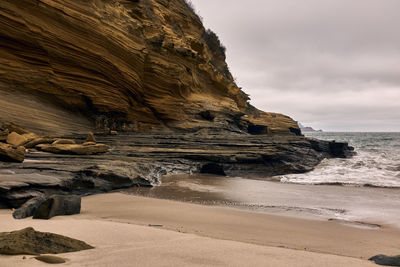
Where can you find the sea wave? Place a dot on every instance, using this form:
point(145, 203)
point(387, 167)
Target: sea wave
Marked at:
point(377, 163)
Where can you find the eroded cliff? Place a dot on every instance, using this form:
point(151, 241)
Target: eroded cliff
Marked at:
point(135, 65)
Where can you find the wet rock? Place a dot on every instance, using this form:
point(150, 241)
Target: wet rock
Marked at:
point(50, 259)
point(75, 149)
point(10, 153)
point(28, 208)
point(213, 168)
point(386, 260)
point(64, 142)
point(15, 139)
point(58, 205)
point(90, 138)
point(28, 241)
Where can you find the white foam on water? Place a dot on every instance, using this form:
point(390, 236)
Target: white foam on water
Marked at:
point(377, 162)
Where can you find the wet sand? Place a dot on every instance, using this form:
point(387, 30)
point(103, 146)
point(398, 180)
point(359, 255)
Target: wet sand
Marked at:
point(185, 234)
point(359, 206)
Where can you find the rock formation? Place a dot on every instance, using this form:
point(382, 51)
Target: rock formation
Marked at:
point(29, 241)
point(145, 65)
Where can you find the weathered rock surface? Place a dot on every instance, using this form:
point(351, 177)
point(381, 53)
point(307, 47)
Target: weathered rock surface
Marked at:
point(15, 139)
point(29, 241)
point(57, 205)
point(75, 149)
point(141, 159)
point(386, 260)
point(29, 208)
point(127, 65)
point(11, 154)
point(64, 142)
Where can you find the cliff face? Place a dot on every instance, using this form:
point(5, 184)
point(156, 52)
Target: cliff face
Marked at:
point(138, 65)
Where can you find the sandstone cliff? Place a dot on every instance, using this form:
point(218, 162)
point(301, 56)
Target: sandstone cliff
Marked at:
point(135, 65)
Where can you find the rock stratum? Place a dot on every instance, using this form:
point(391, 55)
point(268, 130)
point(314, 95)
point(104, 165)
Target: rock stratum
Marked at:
point(146, 68)
point(134, 65)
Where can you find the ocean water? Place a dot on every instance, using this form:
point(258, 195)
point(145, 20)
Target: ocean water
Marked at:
point(377, 162)
point(319, 194)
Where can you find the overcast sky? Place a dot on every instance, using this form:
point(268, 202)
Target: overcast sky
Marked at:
point(330, 64)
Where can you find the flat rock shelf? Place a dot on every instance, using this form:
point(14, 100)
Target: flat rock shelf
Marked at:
point(141, 159)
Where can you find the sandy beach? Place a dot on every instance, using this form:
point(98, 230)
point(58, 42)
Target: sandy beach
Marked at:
point(136, 231)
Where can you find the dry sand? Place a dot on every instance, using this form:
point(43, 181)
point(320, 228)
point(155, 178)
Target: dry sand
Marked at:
point(118, 226)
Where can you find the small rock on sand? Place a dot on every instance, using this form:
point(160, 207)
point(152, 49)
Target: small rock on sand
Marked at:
point(30, 242)
point(50, 259)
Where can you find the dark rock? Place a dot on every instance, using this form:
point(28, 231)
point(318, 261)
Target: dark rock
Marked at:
point(28, 208)
point(58, 205)
point(10, 153)
point(213, 168)
point(257, 129)
point(296, 131)
point(50, 259)
point(386, 260)
point(207, 115)
point(28, 241)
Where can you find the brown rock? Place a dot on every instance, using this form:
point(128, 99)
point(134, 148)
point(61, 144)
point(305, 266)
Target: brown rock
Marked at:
point(138, 68)
point(91, 138)
point(12, 127)
point(113, 133)
point(57, 205)
point(88, 143)
point(38, 141)
point(28, 241)
point(74, 149)
point(11, 154)
point(50, 259)
point(64, 142)
point(15, 139)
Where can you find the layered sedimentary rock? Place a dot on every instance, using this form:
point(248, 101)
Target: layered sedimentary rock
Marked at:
point(141, 159)
point(140, 65)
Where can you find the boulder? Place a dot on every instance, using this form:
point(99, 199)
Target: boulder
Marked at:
point(75, 149)
point(58, 205)
point(15, 139)
point(386, 260)
point(29, 208)
point(64, 142)
point(11, 154)
point(113, 133)
point(91, 138)
point(28, 241)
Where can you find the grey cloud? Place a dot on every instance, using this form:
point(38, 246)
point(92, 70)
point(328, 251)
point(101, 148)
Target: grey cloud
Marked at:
point(334, 63)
